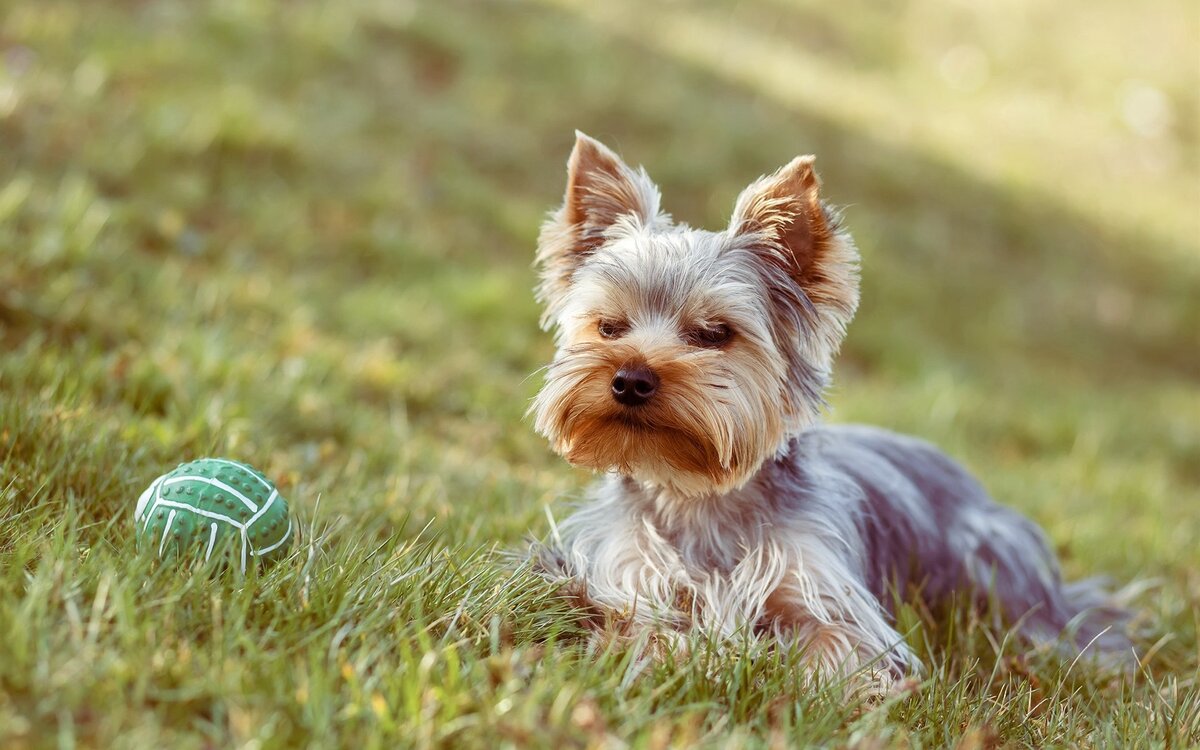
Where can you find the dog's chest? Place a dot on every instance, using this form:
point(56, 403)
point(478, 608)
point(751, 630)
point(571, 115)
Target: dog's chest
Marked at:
point(721, 580)
point(717, 554)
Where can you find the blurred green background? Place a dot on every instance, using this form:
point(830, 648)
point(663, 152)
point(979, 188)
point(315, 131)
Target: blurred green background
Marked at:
point(300, 234)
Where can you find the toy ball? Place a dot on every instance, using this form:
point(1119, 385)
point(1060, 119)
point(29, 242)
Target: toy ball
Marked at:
point(212, 503)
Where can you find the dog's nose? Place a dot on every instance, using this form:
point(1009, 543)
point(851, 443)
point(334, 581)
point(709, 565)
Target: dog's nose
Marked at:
point(633, 386)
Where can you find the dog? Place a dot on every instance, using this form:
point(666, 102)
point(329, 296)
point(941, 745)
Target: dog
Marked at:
point(690, 368)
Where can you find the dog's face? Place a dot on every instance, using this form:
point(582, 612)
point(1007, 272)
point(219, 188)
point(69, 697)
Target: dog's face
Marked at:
point(685, 357)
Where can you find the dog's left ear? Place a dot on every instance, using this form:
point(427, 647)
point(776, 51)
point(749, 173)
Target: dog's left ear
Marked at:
point(602, 193)
point(810, 269)
point(798, 235)
point(810, 265)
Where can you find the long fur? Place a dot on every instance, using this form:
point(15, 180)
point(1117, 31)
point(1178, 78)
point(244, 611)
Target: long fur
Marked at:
point(726, 507)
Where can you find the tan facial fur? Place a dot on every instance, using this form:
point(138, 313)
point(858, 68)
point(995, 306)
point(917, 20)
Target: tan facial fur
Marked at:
point(781, 279)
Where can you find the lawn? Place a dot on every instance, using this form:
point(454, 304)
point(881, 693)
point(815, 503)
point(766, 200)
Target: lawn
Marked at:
point(300, 234)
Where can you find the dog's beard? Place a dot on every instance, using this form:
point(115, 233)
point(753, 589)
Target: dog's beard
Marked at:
point(704, 431)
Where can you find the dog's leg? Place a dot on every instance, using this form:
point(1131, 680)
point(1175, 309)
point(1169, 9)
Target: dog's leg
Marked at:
point(844, 635)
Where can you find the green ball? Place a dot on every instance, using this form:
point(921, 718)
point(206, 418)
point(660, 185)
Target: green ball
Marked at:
point(211, 504)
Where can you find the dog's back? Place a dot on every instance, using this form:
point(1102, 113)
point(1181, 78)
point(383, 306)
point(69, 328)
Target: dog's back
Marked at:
point(932, 529)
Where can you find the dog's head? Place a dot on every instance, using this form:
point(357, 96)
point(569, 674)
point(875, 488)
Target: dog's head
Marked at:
point(685, 357)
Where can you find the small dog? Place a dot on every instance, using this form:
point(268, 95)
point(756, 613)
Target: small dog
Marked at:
point(690, 367)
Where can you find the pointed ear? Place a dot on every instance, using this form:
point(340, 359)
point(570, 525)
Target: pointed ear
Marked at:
point(809, 265)
point(602, 192)
point(782, 219)
point(601, 188)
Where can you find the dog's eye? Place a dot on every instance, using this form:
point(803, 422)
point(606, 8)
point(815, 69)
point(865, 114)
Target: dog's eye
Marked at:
point(711, 337)
point(612, 329)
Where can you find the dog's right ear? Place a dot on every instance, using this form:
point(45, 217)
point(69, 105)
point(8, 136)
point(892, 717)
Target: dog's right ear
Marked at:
point(602, 193)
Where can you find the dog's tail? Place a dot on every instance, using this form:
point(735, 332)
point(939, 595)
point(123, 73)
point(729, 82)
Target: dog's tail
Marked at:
point(1082, 620)
point(1097, 621)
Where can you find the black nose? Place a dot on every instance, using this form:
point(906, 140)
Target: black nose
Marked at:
point(633, 386)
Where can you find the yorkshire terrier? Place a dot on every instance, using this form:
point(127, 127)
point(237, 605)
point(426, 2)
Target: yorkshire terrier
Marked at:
point(690, 368)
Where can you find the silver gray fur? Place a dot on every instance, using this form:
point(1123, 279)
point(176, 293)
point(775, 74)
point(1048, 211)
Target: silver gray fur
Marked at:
point(901, 517)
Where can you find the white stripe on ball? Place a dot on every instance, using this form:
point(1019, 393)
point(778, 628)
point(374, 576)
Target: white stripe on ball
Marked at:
point(166, 530)
point(219, 485)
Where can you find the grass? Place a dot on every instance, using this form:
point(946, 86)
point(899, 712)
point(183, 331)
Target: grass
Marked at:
point(299, 234)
